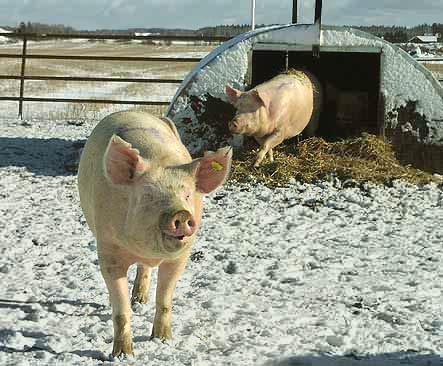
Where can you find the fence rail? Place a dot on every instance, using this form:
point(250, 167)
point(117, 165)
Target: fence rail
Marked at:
point(102, 58)
point(123, 37)
point(429, 59)
point(81, 78)
point(78, 100)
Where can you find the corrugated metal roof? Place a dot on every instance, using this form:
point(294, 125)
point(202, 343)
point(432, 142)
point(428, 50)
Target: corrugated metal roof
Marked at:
point(425, 39)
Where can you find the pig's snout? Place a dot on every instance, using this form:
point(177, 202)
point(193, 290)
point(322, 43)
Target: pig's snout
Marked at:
point(234, 126)
point(180, 225)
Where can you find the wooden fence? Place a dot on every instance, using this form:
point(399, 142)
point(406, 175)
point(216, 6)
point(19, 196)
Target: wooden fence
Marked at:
point(24, 56)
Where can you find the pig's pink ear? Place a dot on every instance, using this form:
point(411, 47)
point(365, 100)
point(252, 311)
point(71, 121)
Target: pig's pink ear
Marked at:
point(233, 94)
point(213, 169)
point(262, 97)
point(122, 163)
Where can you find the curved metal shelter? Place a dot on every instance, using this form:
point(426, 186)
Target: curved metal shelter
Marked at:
point(370, 85)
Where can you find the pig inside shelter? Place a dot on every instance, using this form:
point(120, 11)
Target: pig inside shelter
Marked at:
point(350, 82)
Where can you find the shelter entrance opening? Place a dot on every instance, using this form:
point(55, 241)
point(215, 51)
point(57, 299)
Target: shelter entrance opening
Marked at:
point(350, 81)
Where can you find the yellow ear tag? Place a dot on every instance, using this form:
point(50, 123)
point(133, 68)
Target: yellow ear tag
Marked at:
point(216, 166)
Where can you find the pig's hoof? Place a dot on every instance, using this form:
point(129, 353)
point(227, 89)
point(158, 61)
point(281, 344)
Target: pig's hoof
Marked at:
point(123, 357)
point(122, 349)
point(139, 298)
point(162, 332)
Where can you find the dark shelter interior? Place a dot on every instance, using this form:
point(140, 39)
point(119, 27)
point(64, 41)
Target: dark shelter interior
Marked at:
point(350, 81)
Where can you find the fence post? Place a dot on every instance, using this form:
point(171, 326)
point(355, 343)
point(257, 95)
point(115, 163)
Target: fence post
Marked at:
point(22, 78)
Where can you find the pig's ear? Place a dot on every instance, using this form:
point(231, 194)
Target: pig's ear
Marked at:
point(213, 169)
point(122, 163)
point(233, 94)
point(262, 97)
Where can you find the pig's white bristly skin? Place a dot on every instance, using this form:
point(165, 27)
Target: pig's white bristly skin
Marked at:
point(306, 274)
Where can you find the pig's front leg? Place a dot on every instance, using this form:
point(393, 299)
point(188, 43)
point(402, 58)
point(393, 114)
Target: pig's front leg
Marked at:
point(271, 155)
point(114, 272)
point(266, 147)
point(168, 274)
point(141, 284)
point(270, 152)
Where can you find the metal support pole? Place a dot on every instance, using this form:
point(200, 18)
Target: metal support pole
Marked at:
point(318, 6)
point(287, 60)
point(252, 14)
point(22, 79)
point(294, 11)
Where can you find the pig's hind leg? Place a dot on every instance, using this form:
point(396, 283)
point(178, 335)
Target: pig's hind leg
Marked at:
point(141, 284)
point(266, 147)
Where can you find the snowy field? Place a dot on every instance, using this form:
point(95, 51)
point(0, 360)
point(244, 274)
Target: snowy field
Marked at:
point(308, 275)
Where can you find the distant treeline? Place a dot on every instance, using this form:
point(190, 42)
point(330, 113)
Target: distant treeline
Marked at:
point(394, 34)
point(45, 28)
point(217, 31)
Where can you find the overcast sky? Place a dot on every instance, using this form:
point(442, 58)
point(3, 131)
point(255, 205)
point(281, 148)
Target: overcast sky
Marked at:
point(193, 14)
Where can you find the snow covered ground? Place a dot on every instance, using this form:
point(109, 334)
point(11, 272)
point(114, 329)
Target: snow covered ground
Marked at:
point(306, 275)
point(312, 274)
point(4, 39)
point(426, 50)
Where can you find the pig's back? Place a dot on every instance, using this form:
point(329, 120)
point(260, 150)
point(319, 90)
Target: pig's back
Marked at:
point(304, 93)
point(152, 136)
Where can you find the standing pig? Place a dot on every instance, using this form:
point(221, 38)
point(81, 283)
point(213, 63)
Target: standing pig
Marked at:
point(277, 110)
point(141, 194)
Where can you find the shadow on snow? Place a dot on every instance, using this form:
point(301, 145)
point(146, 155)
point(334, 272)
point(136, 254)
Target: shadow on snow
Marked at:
point(40, 338)
point(409, 357)
point(47, 157)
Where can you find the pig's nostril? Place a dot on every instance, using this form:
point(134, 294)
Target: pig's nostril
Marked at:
point(181, 223)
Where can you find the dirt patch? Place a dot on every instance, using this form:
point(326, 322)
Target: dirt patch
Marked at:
point(215, 113)
point(362, 159)
point(409, 137)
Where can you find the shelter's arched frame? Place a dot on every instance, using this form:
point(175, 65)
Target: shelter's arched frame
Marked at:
point(405, 85)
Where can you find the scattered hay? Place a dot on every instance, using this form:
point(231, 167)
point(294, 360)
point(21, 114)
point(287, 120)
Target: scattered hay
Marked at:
point(297, 74)
point(363, 159)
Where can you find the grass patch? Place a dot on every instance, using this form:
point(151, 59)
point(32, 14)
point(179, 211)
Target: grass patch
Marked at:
point(362, 159)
